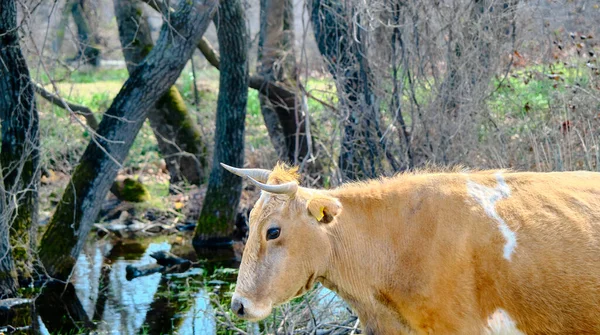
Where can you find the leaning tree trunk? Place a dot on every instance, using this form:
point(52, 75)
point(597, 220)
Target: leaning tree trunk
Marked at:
point(216, 221)
point(179, 139)
point(98, 167)
point(19, 158)
point(277, 63)
point(344, 51)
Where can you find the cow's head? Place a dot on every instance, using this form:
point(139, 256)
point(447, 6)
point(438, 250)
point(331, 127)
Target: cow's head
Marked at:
point(288, 246)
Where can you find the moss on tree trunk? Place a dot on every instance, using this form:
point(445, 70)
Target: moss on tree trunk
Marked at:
point(217, 217)
point(179, 139)
point(8, 275)
point(59, 31)
point(19, 158)
point(183, 147)
point(98, 167)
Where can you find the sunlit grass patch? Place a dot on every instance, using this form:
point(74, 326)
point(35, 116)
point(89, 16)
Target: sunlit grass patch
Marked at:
point(87, 75)
point(537, 88)
point(86, 91)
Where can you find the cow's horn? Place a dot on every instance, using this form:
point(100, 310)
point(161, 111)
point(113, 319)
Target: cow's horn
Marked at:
point(261, 175)
point(289, 188)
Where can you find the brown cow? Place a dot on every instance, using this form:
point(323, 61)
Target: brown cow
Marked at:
point(431, 252)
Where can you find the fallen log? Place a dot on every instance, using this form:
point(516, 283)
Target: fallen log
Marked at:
point(167, 259)
point(166, 262)
point(132, 272)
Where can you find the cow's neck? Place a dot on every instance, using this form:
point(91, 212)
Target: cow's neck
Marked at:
point(357, 268)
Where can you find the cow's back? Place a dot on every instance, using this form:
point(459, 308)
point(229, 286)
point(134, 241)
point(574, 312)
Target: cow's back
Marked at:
point(544, 267)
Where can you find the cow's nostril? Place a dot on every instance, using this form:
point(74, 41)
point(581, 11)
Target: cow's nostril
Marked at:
point(237, 307)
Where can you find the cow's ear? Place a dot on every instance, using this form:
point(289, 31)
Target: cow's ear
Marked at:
point(324, 208)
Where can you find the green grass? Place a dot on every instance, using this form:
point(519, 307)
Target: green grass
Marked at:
point(536, 89)
point(158, 192)
point(80, 77)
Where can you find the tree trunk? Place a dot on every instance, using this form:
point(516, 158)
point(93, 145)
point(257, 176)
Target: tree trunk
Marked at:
point(61, 27)
point(19, 157)
point(98, 167)
point(344, 50)
point(8, 275)
point(217, 218)
point(86, 38)
point(179, 139)
point(277, 63)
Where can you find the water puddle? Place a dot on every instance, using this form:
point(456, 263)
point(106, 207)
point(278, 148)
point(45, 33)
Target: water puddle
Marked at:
point(153, 304)
point(100, 299)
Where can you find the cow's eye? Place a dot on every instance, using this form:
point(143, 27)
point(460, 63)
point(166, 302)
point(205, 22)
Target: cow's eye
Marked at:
point(273, 233)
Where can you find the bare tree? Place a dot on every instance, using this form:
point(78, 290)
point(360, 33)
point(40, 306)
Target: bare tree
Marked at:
point(217, 217)
point(179, 140)
point(472, 61)
point(80, 204)
point(343, 44)
point(87, 39)
point(285, 122)
point(19, 157)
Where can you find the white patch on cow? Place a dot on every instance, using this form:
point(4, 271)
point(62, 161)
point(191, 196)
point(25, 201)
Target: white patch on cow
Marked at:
point(487, 198)
point(500, 323)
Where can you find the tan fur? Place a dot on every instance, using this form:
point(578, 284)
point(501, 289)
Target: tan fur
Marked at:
point(417, 254)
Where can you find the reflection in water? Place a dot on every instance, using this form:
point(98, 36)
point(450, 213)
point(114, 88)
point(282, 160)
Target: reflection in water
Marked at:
point(146, 304)
point(200, 319)
point(180, 306)
point(61, 310)
point(330, 306)
point(128, 301)
point(87, 276)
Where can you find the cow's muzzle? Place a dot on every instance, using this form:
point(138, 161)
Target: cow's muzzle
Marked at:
point(248, 310)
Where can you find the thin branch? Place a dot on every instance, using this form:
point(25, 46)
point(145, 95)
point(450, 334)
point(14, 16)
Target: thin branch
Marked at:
point(62, 103)
point(321, 101)
point(211, 55)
